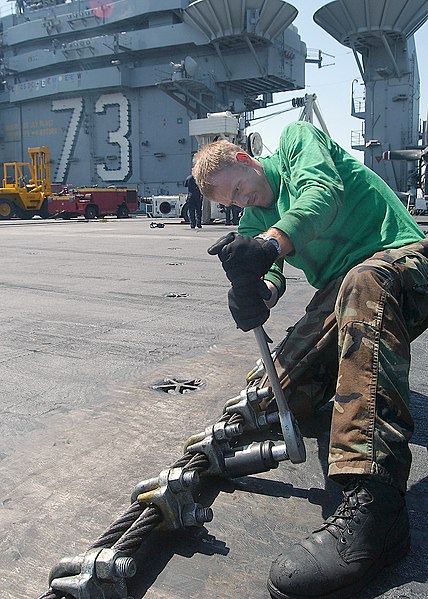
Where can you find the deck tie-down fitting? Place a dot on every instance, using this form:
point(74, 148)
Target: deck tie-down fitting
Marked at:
point(170, 385)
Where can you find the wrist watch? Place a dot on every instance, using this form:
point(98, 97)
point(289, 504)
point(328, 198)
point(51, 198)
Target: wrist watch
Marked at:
point(273, 240)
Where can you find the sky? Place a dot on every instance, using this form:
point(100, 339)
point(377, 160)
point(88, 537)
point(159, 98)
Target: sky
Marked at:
point(332, 84)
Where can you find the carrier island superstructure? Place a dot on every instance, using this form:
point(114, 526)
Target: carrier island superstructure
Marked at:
point(110, 86)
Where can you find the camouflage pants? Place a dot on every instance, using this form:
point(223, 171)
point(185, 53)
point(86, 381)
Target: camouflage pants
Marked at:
point(353, 344)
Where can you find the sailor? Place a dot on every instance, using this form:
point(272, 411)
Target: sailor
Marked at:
point(194, 202)
point(20, 5)
point(313, 205)
point(232, 214)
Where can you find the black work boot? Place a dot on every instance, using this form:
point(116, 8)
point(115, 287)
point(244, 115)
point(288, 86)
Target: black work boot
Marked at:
point(369, 530)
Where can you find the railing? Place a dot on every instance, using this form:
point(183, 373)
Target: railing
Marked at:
point(358, 105)
point(357, 139)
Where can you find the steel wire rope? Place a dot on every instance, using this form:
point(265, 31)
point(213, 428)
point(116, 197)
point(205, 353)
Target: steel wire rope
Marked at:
point(143, 519)
point(113, 533)
point(193, 461)
point(127, 532)
point(131, 541)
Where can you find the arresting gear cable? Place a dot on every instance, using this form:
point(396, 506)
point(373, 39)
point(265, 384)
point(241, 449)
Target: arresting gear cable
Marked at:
point(167, 502)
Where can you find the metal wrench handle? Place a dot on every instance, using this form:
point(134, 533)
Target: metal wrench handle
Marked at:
point(290, 430)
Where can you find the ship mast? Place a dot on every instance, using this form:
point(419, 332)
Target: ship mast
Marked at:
point(380, 33)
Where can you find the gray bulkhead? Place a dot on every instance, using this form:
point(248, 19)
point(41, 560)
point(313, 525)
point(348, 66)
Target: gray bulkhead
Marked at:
point(104, 89)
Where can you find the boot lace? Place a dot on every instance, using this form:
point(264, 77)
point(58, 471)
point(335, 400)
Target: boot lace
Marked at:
point(348, 515)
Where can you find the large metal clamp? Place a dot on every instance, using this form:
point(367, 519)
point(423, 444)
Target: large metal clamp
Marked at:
point(172, 492)
point(214, 442)
point(247, 404)
point(226, 459)
point(97, 574)
point(290, 430)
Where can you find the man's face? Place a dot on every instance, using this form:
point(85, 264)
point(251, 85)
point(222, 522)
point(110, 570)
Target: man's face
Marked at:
point(243, 185)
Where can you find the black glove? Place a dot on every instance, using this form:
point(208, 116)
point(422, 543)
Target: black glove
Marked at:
point(247, 305)
point(243, 256)
point(245, 260)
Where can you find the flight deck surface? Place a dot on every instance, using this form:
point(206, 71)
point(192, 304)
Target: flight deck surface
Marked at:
point(95, 314)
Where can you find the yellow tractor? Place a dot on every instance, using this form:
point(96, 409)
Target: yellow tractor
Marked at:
point(26, 186)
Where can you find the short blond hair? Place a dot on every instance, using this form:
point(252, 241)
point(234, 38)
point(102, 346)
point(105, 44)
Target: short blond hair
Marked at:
point(210, 160)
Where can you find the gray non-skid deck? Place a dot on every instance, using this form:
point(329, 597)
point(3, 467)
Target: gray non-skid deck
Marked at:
point(94, 315)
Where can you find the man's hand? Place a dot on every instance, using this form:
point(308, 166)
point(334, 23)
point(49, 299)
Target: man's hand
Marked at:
point(247, 304)
point(245, 260)
point(241, 255)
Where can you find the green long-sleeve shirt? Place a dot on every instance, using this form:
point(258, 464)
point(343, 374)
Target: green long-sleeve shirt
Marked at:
point(335, 210)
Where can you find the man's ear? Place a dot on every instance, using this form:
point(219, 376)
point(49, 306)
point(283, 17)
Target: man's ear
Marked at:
point(243, 157)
